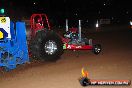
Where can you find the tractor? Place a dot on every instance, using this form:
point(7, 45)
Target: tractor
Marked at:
point(49, 45)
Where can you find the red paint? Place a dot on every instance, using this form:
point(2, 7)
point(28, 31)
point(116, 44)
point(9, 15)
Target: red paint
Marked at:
point(78, 47)
point(42, 20)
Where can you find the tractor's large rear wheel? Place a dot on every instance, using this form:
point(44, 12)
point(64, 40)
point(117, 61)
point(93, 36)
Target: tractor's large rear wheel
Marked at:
point(52, 47)
point(35, 46)
point(47, 46)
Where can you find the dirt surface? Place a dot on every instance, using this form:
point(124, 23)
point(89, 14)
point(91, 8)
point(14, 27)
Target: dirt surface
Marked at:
point(114, 62)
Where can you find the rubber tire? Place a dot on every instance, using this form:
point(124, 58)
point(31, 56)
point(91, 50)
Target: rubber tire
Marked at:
point(51, 35)
point(97, 46)
point(38, 42)
point(35, 46)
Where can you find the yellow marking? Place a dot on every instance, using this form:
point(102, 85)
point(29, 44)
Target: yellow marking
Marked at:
point(1, 35)
point(2, 20)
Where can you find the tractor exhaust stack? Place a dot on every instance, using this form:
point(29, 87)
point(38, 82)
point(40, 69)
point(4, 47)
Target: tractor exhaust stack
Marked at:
point(66, 25)
point(79, 27)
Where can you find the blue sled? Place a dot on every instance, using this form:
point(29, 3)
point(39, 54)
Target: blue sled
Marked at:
point(14, 50)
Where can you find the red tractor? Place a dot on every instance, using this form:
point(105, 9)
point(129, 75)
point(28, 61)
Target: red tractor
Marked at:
point(44, 43)
point(48, 45)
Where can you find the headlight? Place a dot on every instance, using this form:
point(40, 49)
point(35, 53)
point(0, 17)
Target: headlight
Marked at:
point(131, 23)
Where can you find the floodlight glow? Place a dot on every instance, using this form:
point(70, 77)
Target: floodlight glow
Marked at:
point(131, 23)
point(2, 11)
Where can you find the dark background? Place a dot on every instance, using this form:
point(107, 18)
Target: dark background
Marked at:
point(118, 11)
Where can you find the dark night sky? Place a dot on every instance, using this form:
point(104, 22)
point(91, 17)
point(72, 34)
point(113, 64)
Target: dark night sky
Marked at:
point(61, 9)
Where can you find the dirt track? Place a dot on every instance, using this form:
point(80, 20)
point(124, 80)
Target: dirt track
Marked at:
point(114, 62)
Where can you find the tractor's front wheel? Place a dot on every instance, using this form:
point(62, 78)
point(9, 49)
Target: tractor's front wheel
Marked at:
point(97, 49)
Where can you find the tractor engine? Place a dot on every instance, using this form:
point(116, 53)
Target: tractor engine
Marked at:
point(74, 38)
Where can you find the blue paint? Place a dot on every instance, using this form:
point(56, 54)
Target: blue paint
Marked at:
point(14, 51)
